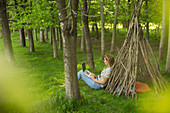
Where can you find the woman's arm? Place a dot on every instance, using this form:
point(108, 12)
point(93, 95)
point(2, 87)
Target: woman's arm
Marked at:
point(98, 81)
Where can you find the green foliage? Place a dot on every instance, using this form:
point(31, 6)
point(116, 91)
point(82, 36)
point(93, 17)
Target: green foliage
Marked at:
point(153, 11)
point(33, 14)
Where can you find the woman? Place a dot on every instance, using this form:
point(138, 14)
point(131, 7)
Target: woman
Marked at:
point(98, 82)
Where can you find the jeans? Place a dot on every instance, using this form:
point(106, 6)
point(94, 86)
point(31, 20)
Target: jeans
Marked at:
point(88, 80)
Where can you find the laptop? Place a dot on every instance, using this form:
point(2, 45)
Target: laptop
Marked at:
point(85, 71)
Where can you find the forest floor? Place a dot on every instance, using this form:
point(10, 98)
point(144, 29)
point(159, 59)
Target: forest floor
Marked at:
point(41, 75)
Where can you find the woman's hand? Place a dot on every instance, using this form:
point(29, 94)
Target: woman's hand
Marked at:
point(92, 76)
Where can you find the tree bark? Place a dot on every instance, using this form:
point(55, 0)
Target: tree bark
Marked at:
point(53, 35)
point(92, 29)
point(55, 49)
point(69, 48)
point(51, 38)
point(97, 31)
point(102, 29)
point(42, 40)
point(35, 34)
point(6, 32)
point(56, 33)
point(0, 32)
point(22, 37)
point(46, 33)
point(60, 39)
point(83, 44)
point(114, 27)
point(164, 33)
point(30, 41)
point(21, 31)
point(74, 5)
point(168, 52)
point(87, 36)
point(147, 23)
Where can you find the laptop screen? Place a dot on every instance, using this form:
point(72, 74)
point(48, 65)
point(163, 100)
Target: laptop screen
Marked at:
point(84, 66)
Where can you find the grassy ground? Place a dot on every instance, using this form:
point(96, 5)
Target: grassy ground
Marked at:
point(40, 75)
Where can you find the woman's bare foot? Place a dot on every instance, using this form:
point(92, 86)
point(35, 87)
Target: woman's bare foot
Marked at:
point(63, 85)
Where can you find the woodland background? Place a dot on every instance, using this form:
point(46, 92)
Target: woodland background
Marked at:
point(44, 43)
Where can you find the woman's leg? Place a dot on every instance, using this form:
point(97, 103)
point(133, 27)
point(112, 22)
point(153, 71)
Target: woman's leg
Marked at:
point(88, 80)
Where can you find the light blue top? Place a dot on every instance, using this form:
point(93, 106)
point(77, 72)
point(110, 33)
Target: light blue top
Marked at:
point(104, 73)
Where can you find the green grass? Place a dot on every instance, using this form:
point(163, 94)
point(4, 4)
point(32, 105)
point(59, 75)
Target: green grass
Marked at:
point(41, 75)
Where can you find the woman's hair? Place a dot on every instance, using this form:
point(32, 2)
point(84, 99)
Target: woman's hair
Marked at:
point(110, 59)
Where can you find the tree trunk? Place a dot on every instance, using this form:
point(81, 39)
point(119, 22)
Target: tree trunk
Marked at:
point(22, 37)
point(102, 29)
point(87, 36)
point(55, 49)
point(56, 33)
point(168, 53)
point(92, 29)
point(147, 23)
point(60, 39)
point(97, 31)
point(74, 36)
point(69, 48)
point(35, 34)
point(53, 35)
point(42, 35)
point(6, 32)
point(114, 27)
point(0, 32)
point(30, 41)
point(83, 44)
point(51, 38)
point(46, 33)
point(164, 33)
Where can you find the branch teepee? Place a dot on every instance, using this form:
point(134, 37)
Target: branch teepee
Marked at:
point(135, 60)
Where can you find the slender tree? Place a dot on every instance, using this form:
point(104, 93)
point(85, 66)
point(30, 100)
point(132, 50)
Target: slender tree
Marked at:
point(69, 34)
point(147, 23)
point(56, 33)
point(60, 40)
point(30, 41)
point(164, 33)
point(6, 32)
point(53, 35)
point(22, 37)
point(168, 53)
point(83, 44)
point(35, 34)
point(46, 33)
point(30, 36)
point(87, 35)
point(21, 31)
point(102, 28)
point(0, 32)
point(114, 27)
point(42, 38)
point(55, 49)
point(74, 7)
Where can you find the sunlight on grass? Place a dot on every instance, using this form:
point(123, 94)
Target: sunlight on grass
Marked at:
point(157, 103)
point(14, 93)
point(79, 66)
